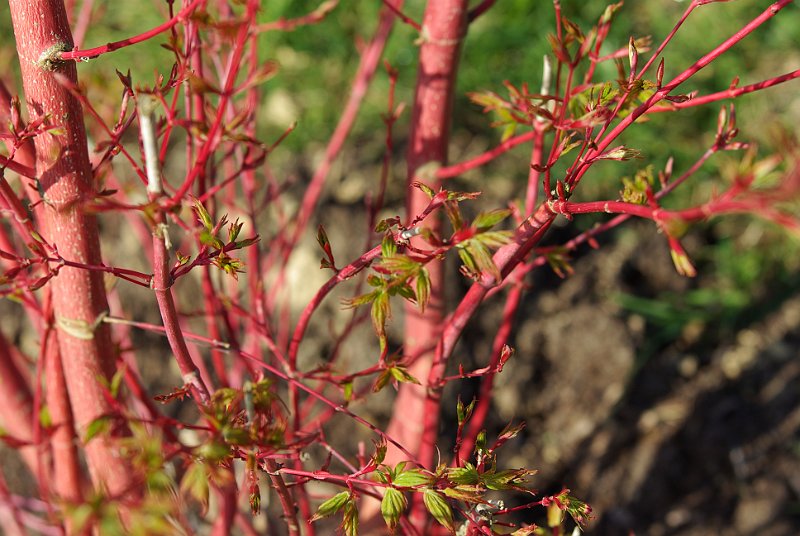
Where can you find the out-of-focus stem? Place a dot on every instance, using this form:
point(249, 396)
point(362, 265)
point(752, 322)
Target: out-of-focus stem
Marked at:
point(367, 66)
point(67, 478)
point(16, 411)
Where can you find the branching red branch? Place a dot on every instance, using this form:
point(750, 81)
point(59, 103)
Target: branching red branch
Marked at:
point(506, 259)
point(454, 170)
point(607, 139)
point(484, 398)
point(723, 205)
point(731, 93)
point(342, 275)
point(82, 55)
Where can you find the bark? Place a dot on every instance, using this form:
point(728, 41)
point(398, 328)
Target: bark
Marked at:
point(64, 172)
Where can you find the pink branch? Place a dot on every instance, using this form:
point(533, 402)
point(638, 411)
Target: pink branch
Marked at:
point(342, 275)
point(482, 159)
point(484, 402)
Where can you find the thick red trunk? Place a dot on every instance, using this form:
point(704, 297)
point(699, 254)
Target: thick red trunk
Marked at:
point(443, 28)
point(62, 165)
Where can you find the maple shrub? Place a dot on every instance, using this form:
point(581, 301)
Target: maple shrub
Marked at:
point(177, 170)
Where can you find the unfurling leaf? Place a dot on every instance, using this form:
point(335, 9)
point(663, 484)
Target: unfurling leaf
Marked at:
point(380, 451)
point(203, 215)
point(464, 412)
point(100, 425)
point(619, 153)
point(682, 263)
point(423, 284)
point(400, 374)
point(381, 310)
point(350, 521)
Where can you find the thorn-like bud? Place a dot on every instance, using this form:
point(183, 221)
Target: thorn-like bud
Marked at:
point(633, 59)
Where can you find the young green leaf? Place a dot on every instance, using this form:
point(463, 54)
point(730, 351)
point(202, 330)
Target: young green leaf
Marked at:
point(400, 374)
point(388, 247)
point(325, 244)
point(464, 413)
point(411, 478)
point(332, 505)
point(393, 505)
point(100, 425)
point(423, 287)
point(486, 220)
point(439, 508)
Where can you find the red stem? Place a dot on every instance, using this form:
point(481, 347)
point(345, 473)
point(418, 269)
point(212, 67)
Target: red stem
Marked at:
point(728, 93)
point(482, 159)
point(67, 478)
point(162, 282)
point(16, 412)
point(484, 402)
point(287, 25)
point(77, 55)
